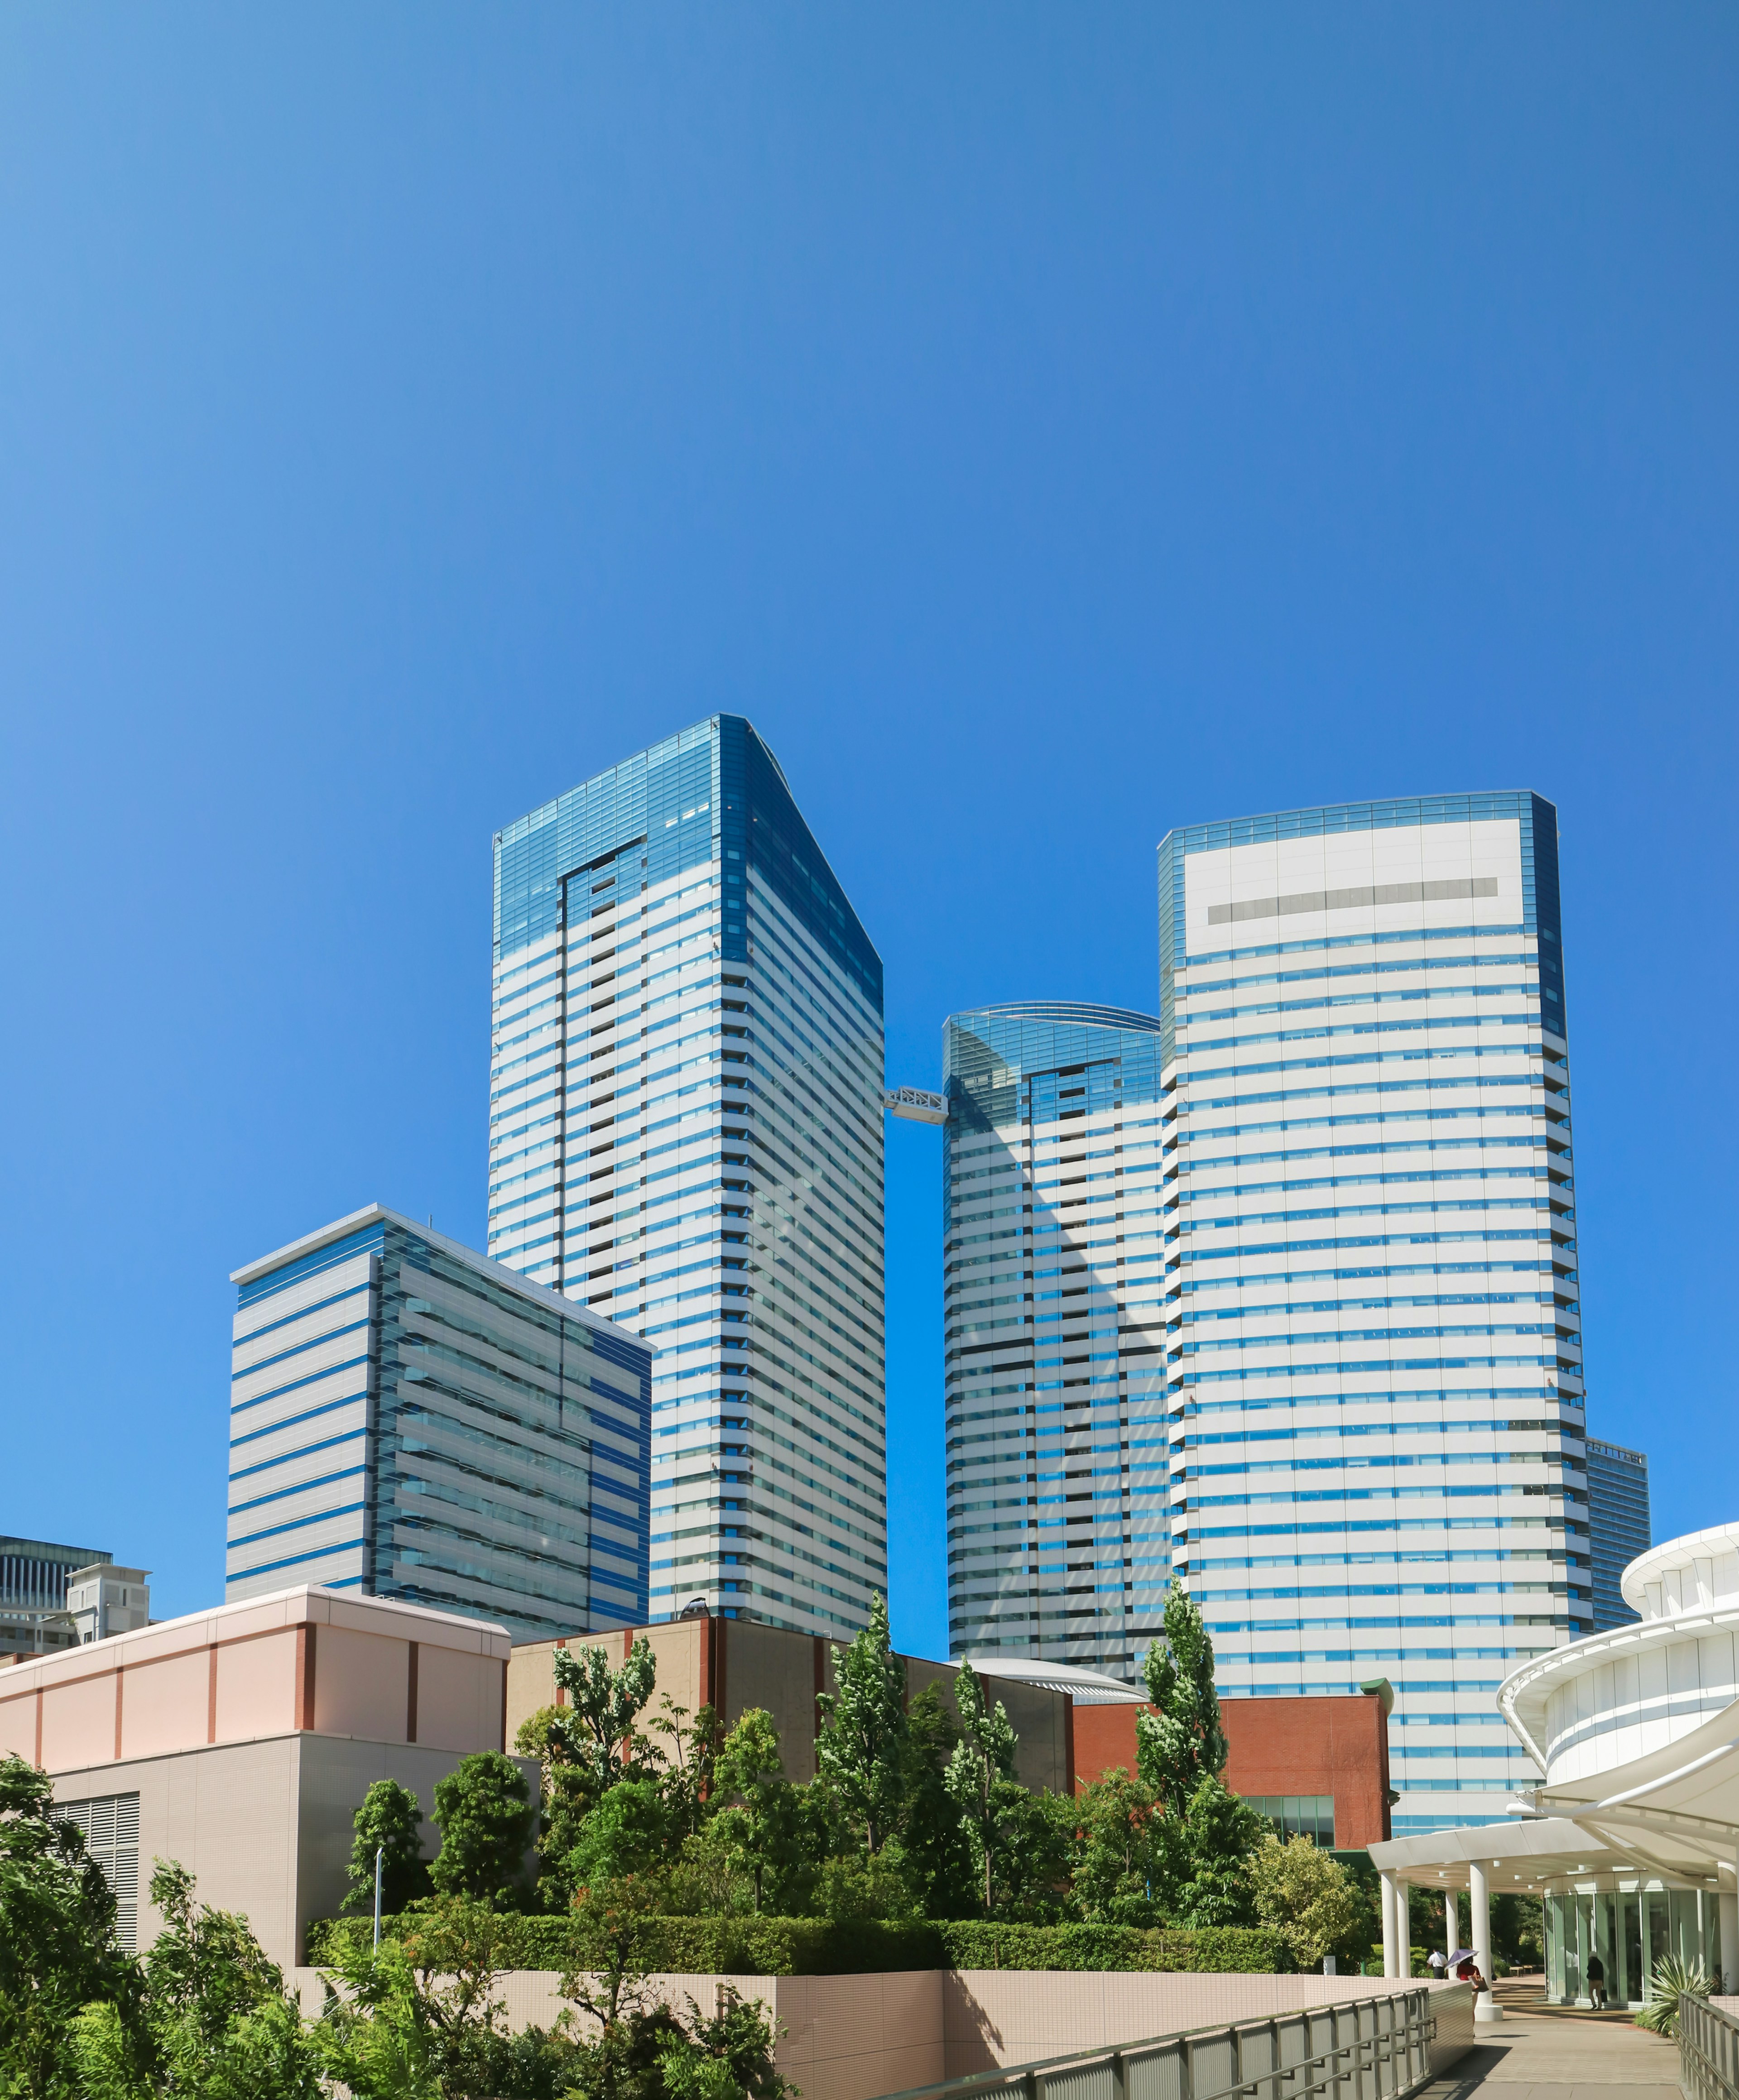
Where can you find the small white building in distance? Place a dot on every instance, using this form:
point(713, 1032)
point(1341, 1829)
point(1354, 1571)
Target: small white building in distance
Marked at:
point(103, 1599)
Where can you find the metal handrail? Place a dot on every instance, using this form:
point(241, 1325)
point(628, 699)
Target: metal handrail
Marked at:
point(1352, 2069)
point(1708, 2050)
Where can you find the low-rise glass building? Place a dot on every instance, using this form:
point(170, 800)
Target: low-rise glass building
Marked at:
point(409, 1419)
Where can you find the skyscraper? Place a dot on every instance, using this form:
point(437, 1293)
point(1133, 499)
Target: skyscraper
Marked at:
point(409, 1419)
point(1617, 1525)
point(1054, 1284)
point(686, 1105)
point(1378, 1441)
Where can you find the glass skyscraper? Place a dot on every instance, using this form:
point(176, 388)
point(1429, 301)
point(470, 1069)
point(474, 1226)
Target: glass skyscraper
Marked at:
point(1054, 1280)
point(1376, 1368)
point(1618, 1525)
point(686, 1133)
point(408, 1419)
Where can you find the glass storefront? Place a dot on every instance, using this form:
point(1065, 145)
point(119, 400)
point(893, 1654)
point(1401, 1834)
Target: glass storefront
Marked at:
point(1631, 1927)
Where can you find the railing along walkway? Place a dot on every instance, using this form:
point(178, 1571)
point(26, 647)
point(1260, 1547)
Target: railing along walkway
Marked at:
point(1708, 2050)
point(1368, 2048)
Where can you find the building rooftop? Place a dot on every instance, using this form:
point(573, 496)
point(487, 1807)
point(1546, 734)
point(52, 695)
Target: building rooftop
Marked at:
point(509, 1279)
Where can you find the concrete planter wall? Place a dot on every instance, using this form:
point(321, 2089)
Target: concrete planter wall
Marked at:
point(857, 2037)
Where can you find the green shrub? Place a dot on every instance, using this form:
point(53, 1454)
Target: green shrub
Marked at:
point(827, 1947)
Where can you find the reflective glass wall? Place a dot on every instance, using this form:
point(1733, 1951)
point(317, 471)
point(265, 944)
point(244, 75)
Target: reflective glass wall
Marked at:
point(1054, 1291)
point(686, 1133)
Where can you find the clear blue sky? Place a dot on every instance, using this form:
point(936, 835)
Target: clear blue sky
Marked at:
point(1048, 424)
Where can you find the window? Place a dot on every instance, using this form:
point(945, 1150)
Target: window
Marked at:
point(110, 1824)
point(1309, 1815)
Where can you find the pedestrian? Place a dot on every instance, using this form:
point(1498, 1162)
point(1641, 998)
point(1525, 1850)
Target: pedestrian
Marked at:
point(1596, 1982)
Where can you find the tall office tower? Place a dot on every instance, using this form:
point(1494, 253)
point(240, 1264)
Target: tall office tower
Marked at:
point(1052, 1286)
point(685, 1108)
point(408, 1419)
point(1617, 1525)
point(1377, 1448)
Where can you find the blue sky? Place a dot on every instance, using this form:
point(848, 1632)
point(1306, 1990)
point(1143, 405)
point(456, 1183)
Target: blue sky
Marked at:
point(1048, 424)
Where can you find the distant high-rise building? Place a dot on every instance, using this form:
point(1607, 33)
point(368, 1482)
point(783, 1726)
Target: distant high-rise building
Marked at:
point(1617, 1525)
point(33, 1577)
point(411, 1420)
point(1053, 1287)
point(1376, 1384)
point(685, 1132)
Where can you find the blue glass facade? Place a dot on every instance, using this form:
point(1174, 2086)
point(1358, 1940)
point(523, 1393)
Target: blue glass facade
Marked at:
point(410, 1420)
point(686, 1133)
point(1053, 1282)
point(1618, 1524)
point(1373, 1330)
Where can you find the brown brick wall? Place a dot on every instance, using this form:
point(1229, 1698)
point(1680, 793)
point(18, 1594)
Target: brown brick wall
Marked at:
point(1334, 1745)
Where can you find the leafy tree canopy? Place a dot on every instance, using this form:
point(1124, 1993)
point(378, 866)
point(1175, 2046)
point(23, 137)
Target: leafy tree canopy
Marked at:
point(1181, 1741)
point(860, 1749)
point(486, 1819)
point(388, 1821)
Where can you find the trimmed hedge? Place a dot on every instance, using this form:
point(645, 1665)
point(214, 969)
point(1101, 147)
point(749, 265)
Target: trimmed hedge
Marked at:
point(983, 1943)
point(820, 1947)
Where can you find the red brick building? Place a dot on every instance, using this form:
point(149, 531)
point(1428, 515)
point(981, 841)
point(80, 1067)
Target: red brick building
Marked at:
point(1306, 1752)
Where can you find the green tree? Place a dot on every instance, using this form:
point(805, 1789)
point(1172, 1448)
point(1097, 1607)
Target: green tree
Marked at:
point(689, 1755)
point(1306, 1896)
point(218, 2023)
point(1208, 1852)
point(981, 1773)
point(728, 2055)
point(389, 1820)
point(1120, 1859)
point(57, 1949)
point(421, 2018)
point(1181, 1741)
point(936, 1859)
point(603, 1706)
point(758, 1823)
point(628, 1832)
point(487, 1820)
point(860, 1749)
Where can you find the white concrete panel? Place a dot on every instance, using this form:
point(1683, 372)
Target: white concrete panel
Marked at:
point(279, 1304)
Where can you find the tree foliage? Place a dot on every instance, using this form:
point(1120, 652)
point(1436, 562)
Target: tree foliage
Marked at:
point(861, 1750)
point(215, 2022)
point(599, 1721)
point(981, 1774)
point(57, 1949)
point(390, 1821)
point(1207, 1853)
point(1121, 1858)
point(1308, 1897)
point(758, 1820)
point(486, 1821)
point(1181, 1742)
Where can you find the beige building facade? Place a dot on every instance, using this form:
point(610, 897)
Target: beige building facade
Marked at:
point(240, 1741)
point(732, 1665)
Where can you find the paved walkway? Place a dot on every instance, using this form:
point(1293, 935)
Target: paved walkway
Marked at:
point(1564, 2055)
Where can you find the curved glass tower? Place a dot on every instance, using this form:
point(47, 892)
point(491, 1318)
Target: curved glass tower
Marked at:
point(1053, 1282)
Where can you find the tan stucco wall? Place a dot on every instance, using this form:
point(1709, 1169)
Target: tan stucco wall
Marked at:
point(735, 1665)
point(265, 1827)
point(305, 1658)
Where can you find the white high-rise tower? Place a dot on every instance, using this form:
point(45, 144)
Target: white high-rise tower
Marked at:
point(1375, 1363)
